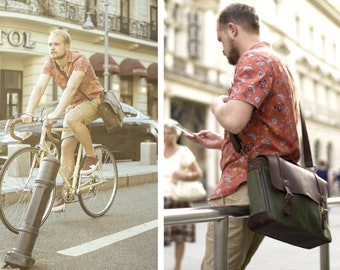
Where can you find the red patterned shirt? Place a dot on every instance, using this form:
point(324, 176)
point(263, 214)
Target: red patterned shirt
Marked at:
point(75, 62)
point(264, 81)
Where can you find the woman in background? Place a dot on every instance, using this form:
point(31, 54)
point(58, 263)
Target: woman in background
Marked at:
point(179, 164)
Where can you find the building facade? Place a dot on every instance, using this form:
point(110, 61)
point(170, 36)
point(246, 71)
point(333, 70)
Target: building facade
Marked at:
point(132, 49)
point(302, 32)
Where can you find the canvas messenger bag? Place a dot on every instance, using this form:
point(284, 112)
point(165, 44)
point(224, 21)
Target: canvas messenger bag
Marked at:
point(288, 202)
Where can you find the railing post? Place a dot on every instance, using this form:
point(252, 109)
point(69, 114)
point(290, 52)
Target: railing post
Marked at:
point(221, 244)
point(324, 257)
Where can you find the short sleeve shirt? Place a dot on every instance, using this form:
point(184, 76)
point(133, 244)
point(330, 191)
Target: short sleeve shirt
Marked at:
point(264, 81)
point(75, 62)
point(179, 161)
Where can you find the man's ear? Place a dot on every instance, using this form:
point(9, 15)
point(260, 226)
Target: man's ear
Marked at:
point(232, 29)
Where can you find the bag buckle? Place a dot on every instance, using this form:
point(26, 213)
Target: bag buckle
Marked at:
point(287, 207)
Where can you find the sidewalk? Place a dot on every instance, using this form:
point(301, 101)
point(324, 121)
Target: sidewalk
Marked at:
point(133, 173)
point(130, 173)
point(272, 254)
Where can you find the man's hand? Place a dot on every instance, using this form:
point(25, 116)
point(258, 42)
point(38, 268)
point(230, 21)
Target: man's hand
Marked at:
point(51, 118)
point(27, 118)
point(207, 139)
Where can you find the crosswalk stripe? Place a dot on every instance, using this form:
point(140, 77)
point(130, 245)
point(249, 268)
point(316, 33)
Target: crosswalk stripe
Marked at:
point(108, 240)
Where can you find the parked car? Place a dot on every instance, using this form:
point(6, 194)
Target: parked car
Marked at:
point(125, 143)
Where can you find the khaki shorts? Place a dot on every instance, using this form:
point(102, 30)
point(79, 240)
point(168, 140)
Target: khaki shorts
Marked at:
point(89, 111)
point(242, 243)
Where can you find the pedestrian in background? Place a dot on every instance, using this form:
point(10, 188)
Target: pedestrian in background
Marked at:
point(261, 108)
point(179, 164)
point(323, 171)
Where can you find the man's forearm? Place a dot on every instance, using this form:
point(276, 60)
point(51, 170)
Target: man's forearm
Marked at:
point(64, 101)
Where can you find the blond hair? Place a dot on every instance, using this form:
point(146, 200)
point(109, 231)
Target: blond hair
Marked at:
point(66, 36)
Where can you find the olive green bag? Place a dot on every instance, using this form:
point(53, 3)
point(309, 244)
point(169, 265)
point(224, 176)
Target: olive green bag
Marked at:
point(287, 202)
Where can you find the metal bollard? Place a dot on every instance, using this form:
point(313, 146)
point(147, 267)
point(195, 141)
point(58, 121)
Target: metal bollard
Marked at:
point(20, 256)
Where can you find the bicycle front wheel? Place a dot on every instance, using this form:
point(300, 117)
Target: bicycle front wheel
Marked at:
point(98, 190)
point(17, 185)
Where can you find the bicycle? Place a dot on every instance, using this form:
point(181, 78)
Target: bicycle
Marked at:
point(96, 192)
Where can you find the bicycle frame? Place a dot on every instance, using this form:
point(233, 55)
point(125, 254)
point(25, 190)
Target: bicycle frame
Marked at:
point(43, 148)
point(74, 186)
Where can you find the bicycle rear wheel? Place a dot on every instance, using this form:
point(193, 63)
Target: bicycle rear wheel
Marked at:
point(98, 190)
point(17, 185)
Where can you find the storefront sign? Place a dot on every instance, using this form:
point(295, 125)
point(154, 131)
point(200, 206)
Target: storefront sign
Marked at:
point(17, 38)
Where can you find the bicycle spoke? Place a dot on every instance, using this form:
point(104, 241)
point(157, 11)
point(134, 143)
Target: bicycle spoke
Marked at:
point(98, 193)
point(17, 185)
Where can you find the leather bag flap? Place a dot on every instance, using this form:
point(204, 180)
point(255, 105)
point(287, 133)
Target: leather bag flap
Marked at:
point(110, 98)
point(299, 180)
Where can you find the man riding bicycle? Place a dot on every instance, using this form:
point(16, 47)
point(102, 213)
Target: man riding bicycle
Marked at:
point(81, 92)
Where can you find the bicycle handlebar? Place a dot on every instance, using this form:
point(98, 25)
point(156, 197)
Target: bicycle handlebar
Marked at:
point(11, 129)
point(47, 125)
point(49, 133)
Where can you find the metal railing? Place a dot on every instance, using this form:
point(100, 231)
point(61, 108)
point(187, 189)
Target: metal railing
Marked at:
point(220, 216)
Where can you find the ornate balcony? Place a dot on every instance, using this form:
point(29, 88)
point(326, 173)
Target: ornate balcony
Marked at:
point(75, 13)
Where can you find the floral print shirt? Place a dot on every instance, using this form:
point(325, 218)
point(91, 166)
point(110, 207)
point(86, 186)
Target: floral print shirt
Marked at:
point(264, 81)
point(76, 62)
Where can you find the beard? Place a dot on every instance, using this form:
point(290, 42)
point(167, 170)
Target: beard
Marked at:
point(233, 55)
point(56, 56)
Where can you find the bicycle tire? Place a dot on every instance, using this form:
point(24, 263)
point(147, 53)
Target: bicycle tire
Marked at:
point(17, 185)
point(96, 201)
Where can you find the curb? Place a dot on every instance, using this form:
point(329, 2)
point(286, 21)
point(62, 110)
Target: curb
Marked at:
point(138, 179)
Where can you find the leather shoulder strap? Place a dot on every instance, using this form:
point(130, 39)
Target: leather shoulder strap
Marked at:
point(307, 154)
point(66, 77)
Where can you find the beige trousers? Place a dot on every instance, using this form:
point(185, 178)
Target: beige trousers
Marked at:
point(242, 243)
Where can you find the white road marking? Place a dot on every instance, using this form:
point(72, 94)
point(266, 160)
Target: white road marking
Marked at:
point(108, 240)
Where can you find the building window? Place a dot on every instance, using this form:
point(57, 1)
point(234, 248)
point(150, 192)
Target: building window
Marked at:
point(297, 28)
point(323, 46)
point(311, 37)
point(125, 16)
point(175, 12)
point(153, 23)
point(11, 93)
point(335, 56)
point(126, 89)
point(153, 100)
point(193, 35)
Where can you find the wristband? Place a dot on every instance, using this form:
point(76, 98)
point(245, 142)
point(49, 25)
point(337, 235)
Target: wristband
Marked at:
point(29, 114)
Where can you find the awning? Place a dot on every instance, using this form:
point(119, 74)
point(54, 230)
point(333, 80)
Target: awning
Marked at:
point(131, 67)
point(97, 61)
point(153, 71)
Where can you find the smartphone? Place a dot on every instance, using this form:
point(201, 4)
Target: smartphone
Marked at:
point(184, 130)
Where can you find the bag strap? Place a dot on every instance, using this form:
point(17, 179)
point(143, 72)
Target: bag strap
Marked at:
point(307, 154)
point(67, 77)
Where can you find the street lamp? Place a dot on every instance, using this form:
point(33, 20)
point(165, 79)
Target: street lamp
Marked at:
point(89, 26)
